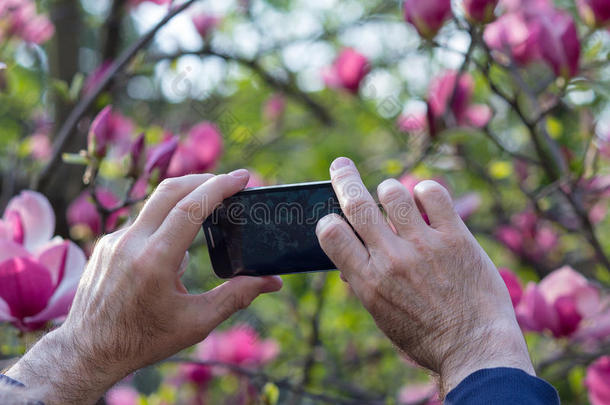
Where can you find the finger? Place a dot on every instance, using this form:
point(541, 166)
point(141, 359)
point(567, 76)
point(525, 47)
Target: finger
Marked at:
point(215, 306)
point(343, 247)
point(437, 203)
point(357, 204)
point(183, 222)
point(400, 208)
point(166, 196)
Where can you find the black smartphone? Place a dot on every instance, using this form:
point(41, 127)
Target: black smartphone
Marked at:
point(270, 230)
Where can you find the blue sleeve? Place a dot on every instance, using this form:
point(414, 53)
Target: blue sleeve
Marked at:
point(502, 386)
point(9, 381)
point(4, 380)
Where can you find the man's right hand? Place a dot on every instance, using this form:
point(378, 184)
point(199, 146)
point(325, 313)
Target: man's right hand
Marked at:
point(430, 288)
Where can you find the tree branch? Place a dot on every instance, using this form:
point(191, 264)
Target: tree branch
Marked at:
point(85, 103)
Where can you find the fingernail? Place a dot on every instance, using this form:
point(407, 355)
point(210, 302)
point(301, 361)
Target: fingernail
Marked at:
point(323, 222)
point(340, 162)
point(239, 173)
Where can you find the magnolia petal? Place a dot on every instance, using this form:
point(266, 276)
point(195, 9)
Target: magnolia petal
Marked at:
point(477, 115)
point(53, 257)
point(37, 217)
point(25, 286)
point(60, 302)
point(10, 249)
point(5, 312)
point(533, 312)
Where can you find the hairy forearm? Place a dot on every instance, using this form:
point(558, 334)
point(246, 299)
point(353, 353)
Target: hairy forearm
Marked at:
point(57, 371)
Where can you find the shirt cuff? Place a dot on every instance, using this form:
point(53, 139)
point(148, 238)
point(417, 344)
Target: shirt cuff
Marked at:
point(9, 381)
point(502, 386)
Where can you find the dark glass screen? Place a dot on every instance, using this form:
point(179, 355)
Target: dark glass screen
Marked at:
point(272, 230)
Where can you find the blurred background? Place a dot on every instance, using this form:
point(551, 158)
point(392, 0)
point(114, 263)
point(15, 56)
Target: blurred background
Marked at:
point(505, 102)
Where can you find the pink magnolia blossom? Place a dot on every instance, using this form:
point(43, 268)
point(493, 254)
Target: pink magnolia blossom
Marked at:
point(205, 23)
point(38, 275)
point(428, 16)
point(558, 303)
point(444, 90)
point(18, 18)
point(40, 147)
point(137, 155)
point(198, 152)
point(159, 157)
point(412, 123)
point(83, 216)
point(527, 236)
point(274, 107)
point(597, 381)
point(134, 3)
point(239, 346)
point(110, 133)
point(595, 13)
point(559, 43)
point(419, 393)
point(96, 76)
point(348, 71)
point(531, 5)
point(515, 36)
point(481, 11)
point(513, 284)
point(122, 395)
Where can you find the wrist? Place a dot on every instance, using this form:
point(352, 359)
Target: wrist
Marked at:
point(58, 370)
point(500, 344)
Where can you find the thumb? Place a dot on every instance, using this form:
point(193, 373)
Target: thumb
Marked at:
point(217, 305)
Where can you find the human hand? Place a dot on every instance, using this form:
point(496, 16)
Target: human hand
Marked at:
point(430, 288)
point(131, 308)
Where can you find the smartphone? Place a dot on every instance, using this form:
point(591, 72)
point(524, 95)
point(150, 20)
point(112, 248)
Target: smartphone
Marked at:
point(270, 230)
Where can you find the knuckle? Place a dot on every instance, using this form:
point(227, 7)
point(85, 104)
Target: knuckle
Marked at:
point(168, 186)
point(356, 206)
point(331, 232)
point(391, 192)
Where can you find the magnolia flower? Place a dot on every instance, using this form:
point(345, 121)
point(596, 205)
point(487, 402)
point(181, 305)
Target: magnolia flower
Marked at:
point(239, 346)
point(18, 18)
point(204, 24)
point(134, 3)
point(38, 275)
point(444, 91)
point(558, 42)
point(419, 393)
point(96, 76)
point(348, 71)
point(84, 219)
point(109, 133)
point(428, 16)
point(515, 36)
point(160, 156)
point(39, 146)
point(558, 303)
point(527, 236)
point(481, 11)
point(122, 395)
point(597, 381)
point(513, 284)
point(274, 107)
point(595, 13)
point(198, 152)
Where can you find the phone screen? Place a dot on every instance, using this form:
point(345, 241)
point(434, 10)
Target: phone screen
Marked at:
point(270, 230)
